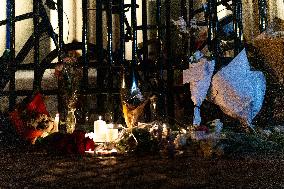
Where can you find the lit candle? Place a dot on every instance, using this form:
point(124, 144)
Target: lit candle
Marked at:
point(111, 134)
point(154, 106)
point(56, 123)
point(165, 130)
point(99, 130)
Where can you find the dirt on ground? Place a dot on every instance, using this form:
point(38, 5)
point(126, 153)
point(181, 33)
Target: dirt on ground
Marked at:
point(30, 167)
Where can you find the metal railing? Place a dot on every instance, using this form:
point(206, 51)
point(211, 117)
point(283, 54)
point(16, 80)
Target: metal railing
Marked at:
point(108, 61)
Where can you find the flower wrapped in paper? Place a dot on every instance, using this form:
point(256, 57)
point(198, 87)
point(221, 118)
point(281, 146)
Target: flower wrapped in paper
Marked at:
point(31, 119)
point(199, 77)
point(237, 90)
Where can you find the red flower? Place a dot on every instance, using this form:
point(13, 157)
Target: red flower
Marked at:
point(202, 128)
point(89, 144)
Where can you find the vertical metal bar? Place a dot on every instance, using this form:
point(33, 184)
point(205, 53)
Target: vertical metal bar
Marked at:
point(212, 28)
point(216, 41)
point(99, 31)
point(170, 71)
point(122, 45)
point(109, 32)
point(36, 84)
point(134, 32)
point(210, 25)
point(100, 58)
point(262, 9)
point(183, 9)
point(240, 23)
point(237, 27)
point(85, 44)
point(145, 29)
point(8, 25)
point(190, 16)
point(159, 37)
point(61, 106)
point(184, 37)
point(110, 55)
point(122, 34)
point(11, 21)
point(159, 63)
point(60, 26)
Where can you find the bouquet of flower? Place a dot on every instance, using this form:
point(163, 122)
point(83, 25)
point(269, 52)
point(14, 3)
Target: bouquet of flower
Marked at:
point(69, 75)
point(31, 119)
point(193, 32)
point(42, 122)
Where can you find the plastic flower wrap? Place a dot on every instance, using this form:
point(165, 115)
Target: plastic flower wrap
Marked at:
point(133, 102)
point(69, 75)
point(42, 122)
point(191, 30)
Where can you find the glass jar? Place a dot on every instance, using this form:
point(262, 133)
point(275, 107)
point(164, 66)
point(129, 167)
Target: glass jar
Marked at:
point(70, 121)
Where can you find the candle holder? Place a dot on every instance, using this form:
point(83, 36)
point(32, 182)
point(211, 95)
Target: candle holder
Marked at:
point(70, 121)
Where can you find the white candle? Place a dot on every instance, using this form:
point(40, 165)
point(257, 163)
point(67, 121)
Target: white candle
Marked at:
point(154, 106)
point(111, 135)
point(165, 130)
point(56, 123)
point(99, 130)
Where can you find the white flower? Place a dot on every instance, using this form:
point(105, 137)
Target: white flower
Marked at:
point(181, 25)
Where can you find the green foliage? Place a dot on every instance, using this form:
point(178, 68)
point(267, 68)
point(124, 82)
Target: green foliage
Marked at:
point(146, 143)
point(141, 142)
point(244, 143)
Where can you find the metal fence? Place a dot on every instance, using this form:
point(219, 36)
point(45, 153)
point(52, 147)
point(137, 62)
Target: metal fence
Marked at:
point(110, 62)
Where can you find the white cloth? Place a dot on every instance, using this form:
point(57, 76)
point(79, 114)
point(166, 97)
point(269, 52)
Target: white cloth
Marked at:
point(237, 90)
point(199, 77)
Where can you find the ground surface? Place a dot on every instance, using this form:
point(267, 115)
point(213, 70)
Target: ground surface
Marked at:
point(27, 167)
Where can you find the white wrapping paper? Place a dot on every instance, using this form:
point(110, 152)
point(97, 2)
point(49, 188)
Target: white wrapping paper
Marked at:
point(199, 77)
point(237, 90)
